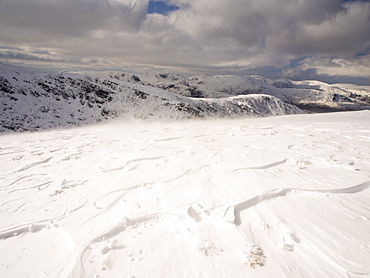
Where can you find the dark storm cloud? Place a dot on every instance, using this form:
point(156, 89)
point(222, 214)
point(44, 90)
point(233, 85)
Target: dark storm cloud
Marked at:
point(70, 17)
point(215, 36)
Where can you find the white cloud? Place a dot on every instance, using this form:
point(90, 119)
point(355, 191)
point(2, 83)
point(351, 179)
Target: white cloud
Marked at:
point(356, 66)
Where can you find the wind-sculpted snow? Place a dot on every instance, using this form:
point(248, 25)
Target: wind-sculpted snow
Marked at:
point(238, 208)
point(254, 197)
point(34, 99)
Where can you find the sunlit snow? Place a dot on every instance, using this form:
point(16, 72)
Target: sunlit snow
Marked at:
point(275, 197)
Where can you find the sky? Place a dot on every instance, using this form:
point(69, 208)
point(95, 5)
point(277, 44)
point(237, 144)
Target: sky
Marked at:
point(327, 40)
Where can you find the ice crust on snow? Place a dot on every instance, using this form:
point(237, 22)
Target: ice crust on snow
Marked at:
point(287, 196)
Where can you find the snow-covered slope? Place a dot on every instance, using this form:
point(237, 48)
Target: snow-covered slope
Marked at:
point(270, 197)
point(34, 99)
point(312, 96)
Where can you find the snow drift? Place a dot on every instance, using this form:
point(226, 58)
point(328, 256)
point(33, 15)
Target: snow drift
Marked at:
point(281, 196)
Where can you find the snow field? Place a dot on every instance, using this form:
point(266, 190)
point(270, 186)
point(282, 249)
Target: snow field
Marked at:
point(283, 197)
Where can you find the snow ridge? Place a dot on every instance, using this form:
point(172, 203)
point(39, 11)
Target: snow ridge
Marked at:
point(238, 208)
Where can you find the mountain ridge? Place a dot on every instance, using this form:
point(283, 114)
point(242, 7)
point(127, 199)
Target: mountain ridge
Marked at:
point(311, 96)
point(34, 99)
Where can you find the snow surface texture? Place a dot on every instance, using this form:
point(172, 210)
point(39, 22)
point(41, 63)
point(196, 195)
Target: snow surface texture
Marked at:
point(270, 197)
point(35, 99)
point(313, 96)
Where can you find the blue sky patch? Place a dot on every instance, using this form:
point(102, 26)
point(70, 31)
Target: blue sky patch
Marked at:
point(296, 62)
point(160, 7)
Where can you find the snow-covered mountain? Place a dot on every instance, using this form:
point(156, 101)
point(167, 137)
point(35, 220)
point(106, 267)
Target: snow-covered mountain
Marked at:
point(313, 96)
point(35, 99)
point(250, 197)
